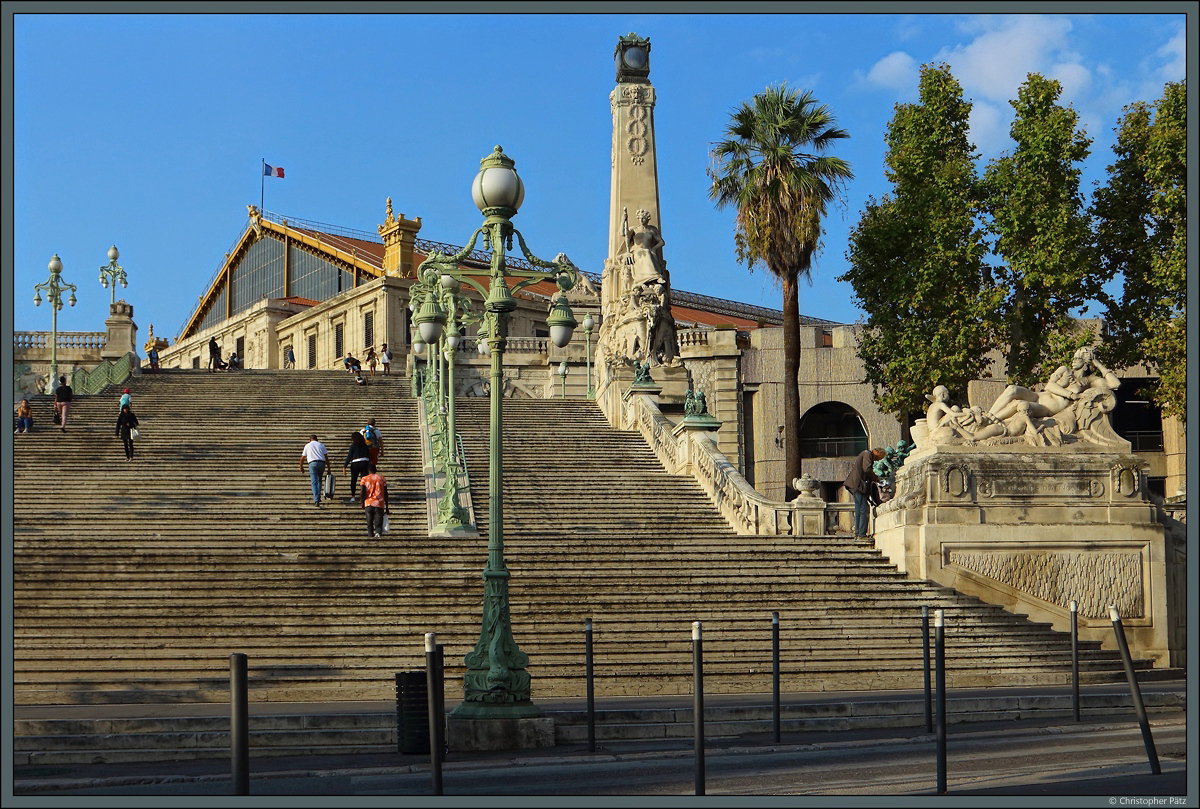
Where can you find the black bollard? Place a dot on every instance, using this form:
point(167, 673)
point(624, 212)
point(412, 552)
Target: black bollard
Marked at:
point(440, 693)
point(1075, 658)
point(940, 652)
point(435, 736)
point(928, 685)
point(698, 704)
point(1147, 738)
point(589, 685)
point(775, 671)
point(239, 725)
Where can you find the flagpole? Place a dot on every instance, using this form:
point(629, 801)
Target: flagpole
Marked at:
point(262, 173)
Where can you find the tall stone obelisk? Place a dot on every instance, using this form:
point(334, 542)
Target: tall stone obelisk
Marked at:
point(635, 296)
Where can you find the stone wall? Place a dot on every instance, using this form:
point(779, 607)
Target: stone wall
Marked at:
point(832, 373)
point(1032, 529)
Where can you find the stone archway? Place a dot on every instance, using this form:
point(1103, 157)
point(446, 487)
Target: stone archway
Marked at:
point(832, 430)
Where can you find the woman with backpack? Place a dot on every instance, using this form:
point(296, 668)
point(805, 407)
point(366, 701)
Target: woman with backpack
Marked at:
point(357, 460)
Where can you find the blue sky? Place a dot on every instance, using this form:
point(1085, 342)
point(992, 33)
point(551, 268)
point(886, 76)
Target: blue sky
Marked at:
point(147, 131)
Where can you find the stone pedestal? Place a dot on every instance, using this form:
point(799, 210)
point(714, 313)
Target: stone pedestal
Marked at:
point(120, 332)
point(507, 733)
point(1032, 529)
point(674, 382)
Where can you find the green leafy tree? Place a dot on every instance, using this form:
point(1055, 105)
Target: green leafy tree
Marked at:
point(1041, 233)
point(916, 256)
point(1141, 235)
point(773, 170)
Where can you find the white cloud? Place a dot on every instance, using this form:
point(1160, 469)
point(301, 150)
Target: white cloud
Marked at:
point(1075, 79)
point(988, 125)
point(1174, 56)
point(997, 61)
point(896, 71)
point(908, 28)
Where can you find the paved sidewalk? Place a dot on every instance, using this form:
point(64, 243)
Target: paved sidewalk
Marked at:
point(43, 779)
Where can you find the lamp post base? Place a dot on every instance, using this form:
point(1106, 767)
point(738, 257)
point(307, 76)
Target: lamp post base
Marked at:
point(498, 727)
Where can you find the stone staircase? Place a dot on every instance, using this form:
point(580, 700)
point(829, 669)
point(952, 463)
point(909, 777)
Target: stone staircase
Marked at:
point(133, 582)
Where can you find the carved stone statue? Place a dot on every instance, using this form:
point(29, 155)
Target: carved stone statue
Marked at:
point(1070, 395)
point(951, 424)
point(1073, 405)
point(644, 259)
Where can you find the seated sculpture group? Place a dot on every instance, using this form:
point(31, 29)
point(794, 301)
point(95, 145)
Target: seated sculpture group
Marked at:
point(1072, 406)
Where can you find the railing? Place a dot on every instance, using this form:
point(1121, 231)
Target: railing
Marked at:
point(1144, 440)
point(832, 447)
point(108, 372)
point(693, 337)
point(63, 339)
point(321, 227)
point(695, 453)
point(527, 345)
point(430, 422)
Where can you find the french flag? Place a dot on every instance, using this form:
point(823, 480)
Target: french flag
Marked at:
point(272, 171)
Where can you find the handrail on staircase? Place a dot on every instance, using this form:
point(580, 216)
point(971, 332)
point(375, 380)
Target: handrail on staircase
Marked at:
point(108, 372)
point(437, 485)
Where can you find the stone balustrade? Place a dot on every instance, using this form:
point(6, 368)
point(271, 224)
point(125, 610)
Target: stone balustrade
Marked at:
point(64, 340)
point(693, 452)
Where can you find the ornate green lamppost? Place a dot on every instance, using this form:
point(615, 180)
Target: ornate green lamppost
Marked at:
point(112, 273)
point(496, 685)
point(54, 287)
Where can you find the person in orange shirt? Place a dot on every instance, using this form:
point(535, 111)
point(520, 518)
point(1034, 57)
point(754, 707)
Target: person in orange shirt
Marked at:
point(373, 494)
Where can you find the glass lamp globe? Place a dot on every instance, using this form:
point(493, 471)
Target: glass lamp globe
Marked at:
point(497, 184)
point(635, 58)
point(561, 322)
point(430, 320)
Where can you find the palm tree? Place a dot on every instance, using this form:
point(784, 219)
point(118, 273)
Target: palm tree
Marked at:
point(772, 169)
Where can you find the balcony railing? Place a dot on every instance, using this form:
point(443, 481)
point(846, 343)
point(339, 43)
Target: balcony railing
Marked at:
point(1144, 440)
point(831, 447)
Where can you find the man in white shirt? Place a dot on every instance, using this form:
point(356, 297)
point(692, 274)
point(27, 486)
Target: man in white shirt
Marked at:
point(314, 453)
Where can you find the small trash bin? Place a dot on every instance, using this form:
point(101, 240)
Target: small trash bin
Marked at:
point(412, 712)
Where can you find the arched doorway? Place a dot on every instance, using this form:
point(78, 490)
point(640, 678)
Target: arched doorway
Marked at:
point(831, 430)
point(831, 434)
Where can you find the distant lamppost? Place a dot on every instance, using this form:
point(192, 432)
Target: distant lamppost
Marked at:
point(562, 377)
point(418, 348)
point(588, 324)
point(53, 287)
point(496, 684)
point(112, 273)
